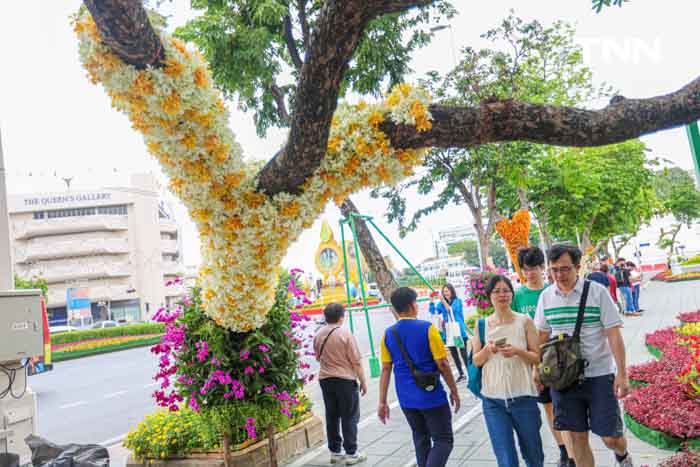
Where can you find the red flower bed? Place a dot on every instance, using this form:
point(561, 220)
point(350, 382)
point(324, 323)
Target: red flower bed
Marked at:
point(682, 459)
point(663, 339)
point(664, 407)
point(690, 317)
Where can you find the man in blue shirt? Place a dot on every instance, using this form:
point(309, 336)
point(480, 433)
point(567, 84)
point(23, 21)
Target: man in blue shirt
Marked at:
point(427, 412)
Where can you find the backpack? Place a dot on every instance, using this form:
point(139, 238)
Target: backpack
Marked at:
point(562, 364)
point(473, 371)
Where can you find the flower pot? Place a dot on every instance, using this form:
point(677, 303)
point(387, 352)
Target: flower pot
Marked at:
point(297, 439)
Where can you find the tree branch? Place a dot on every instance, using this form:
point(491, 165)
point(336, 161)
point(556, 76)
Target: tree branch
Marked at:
point(125, 29)
point(291, 43)
point(278, 95)
point(333, 42)
point(304, 22)
point(497, 121)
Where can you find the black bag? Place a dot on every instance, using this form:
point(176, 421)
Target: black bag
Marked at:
point(562, 365)
point(428, 381)
point(48, 454)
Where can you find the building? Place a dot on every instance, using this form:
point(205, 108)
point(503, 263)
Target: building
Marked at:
point(442, 239)
point(453, 268)
point(111, 249)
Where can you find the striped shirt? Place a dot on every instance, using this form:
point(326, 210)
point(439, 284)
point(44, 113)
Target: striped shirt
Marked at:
point(556, 313)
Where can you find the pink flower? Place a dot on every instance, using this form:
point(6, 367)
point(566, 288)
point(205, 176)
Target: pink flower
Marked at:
point(250, 428)
point(263, 348)
point(269, 389)
point(202, 350)
point(245, 354)
point(249, 370)
point(261, 370)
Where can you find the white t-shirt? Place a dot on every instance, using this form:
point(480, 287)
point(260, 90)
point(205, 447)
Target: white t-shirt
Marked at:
point(556, 313)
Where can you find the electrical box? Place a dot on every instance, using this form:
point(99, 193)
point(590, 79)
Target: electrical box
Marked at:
point(21, 325)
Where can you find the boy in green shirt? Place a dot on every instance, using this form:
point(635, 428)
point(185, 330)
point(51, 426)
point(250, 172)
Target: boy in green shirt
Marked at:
point(531, 262)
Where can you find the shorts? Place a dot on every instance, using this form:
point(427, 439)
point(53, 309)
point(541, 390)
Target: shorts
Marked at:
point(545, 396)
point(591, 406)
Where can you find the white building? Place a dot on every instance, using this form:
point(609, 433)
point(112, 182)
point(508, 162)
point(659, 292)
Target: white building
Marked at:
point(443, 238)
point(116, 245)
point(644, 249)
point(453, 268)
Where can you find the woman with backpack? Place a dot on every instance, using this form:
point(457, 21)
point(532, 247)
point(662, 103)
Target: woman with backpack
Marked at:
point(509, 395)
point(450, 310)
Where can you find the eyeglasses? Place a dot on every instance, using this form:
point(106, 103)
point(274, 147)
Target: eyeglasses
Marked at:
point(563, 270)
point(500, 291)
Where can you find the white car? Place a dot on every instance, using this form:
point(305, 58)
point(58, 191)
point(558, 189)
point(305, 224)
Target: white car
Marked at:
point(373, 290)
point(105, 324)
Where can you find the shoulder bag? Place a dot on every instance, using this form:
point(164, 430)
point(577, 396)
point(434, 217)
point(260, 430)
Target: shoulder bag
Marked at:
point(426, 380)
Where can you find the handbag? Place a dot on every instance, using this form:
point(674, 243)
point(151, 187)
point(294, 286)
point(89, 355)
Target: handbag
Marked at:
point(426, 380)
point(562, 365)
point(453, 332)
point(473, 371)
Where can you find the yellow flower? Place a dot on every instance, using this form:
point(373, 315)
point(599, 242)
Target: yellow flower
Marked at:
point(173, 68)
point(171, 103)
point(375, 118)
point(200, 77)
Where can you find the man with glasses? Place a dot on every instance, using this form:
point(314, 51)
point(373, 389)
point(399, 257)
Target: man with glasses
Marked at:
point(531, 262)
point(592, 405)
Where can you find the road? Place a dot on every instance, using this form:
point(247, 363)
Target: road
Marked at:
point(99, 399)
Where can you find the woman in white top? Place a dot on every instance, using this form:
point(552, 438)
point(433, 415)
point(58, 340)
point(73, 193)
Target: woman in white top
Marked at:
point(509, 395)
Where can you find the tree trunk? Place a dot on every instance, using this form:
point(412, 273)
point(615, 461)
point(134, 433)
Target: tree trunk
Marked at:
point(674, 234)
point(484, 238)
point(227, 450)
point(375, 261)
point(272, 445)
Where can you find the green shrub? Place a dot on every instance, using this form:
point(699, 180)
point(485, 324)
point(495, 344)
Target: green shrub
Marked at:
point(127, 330)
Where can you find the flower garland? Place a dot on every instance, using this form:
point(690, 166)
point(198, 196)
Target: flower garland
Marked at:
point(515, 233)
point(244, 233)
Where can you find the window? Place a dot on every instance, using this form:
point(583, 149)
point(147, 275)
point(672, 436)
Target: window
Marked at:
point(39, 214)
point(120, 210)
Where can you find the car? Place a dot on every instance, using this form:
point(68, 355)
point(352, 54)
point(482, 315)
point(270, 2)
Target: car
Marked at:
point(61, 329)
point(373, 290)
point(105, 324)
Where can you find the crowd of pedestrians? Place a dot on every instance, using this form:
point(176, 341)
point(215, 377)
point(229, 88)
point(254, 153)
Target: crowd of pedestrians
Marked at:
point(506, 366)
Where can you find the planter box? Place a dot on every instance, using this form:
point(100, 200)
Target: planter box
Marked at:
point(294, 441)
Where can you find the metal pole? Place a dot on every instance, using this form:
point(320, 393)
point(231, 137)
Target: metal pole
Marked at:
point(373, 360)
point(694, 139)
point(371, 221)
point(347, 277)
point(6, 265)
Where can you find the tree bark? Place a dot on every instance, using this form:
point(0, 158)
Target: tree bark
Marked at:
point(375, 261)
point(126, 30)
point(227, 450)
point(272, 445)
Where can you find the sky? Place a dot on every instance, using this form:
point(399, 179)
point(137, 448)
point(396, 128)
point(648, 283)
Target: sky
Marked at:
point(55, 124)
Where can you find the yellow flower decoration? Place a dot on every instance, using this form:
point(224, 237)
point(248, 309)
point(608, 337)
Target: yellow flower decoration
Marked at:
point(244, 233)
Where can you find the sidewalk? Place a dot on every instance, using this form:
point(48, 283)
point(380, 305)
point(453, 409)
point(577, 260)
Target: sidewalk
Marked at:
point(391, 444)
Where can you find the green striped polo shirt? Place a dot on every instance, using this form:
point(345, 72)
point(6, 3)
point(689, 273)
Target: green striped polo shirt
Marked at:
point(556, 313)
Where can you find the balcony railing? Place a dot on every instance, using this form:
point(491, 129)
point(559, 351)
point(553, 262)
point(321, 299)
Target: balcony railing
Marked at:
point(25, 230)
point(38, 250)
point(76, 269)
point(169, 247)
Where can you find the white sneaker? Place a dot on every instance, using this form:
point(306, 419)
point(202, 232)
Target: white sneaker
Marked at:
point(355, 458)
point(337, 458)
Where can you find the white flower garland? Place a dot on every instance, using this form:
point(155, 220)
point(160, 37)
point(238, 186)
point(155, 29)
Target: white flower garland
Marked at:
point(244, 233)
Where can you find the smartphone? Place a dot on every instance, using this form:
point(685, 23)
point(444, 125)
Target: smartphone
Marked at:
point(501, 342)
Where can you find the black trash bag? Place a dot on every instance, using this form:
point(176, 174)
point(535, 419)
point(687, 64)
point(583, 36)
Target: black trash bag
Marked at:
point(9, 460)
point(47, 454)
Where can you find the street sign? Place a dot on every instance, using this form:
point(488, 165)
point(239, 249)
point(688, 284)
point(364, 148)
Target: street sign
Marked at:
point(644, 244)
